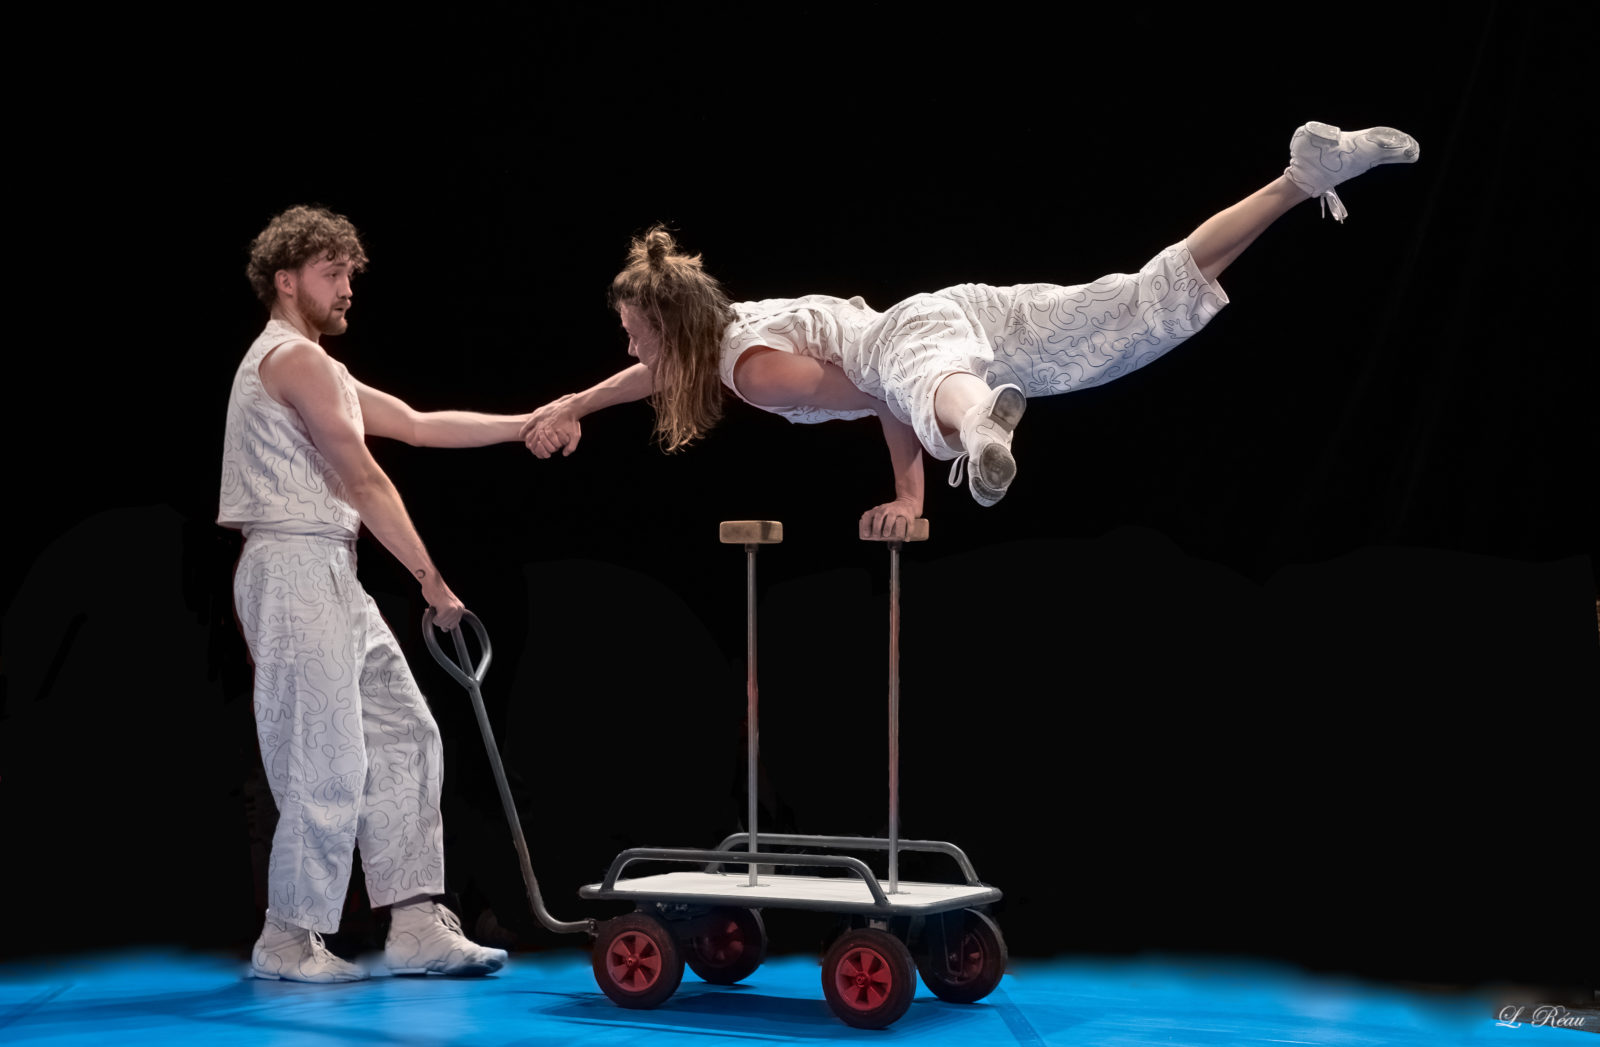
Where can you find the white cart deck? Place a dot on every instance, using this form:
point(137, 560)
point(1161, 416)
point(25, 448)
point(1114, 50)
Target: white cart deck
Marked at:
point(827, 893)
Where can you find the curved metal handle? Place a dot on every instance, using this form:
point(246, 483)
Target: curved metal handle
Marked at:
point(460, 667)
point(470, 676)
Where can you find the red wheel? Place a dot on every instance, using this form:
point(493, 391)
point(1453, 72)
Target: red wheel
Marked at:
point(731, 947)
point(963, 956)
point(867, 978)
point(636, 962)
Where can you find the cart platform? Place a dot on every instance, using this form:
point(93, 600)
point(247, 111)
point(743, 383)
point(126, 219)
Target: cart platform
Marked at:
point(825, 893)
point(853, 887)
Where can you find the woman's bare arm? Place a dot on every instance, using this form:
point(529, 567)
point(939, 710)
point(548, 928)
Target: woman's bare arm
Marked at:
point(771, 378)
point(554, 427)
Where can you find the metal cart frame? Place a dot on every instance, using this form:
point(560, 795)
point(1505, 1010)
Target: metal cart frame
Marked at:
point(711, 921)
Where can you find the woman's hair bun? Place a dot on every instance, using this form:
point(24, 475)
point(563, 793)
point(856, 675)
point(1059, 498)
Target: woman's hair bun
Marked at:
point(658, 244)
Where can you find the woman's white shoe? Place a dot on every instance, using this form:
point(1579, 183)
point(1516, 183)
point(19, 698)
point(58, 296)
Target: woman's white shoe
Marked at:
point(1321, 156)
point(986, 437)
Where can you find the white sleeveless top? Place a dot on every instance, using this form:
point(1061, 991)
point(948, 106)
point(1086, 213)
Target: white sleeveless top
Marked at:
point(273, 477)
point(834, 330)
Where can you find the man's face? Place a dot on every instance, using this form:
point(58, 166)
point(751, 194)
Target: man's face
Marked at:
point(644, 343)
point(321, 294)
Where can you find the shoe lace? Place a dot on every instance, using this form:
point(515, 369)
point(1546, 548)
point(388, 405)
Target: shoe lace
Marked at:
point(955, 470)
point(1330, 202)
point(448, 918)
point(319, 948)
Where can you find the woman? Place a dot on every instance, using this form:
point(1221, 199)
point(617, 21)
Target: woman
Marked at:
point(948, 373)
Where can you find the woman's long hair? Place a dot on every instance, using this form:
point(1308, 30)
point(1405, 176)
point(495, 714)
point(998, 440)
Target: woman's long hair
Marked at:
point(688, 308)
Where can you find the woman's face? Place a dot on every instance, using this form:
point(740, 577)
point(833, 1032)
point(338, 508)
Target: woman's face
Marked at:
point(644, 342)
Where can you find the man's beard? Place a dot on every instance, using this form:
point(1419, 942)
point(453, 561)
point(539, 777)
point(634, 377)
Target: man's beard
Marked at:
point(332, 321)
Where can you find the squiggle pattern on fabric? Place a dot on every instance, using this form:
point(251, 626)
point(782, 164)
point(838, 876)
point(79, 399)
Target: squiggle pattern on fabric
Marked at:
point(1045, 338)
point(351, 751)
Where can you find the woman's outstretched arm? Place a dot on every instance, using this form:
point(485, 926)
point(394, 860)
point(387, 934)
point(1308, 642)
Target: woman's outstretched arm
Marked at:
point(554, 427)
point(771, 378)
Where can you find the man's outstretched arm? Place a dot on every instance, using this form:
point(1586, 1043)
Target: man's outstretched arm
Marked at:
point(301, 375)
point(387, 415)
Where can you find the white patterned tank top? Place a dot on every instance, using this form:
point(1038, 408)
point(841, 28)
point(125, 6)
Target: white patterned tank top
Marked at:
point(273, 476)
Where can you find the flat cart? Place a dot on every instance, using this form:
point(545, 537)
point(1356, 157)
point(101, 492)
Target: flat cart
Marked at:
point(709, 917)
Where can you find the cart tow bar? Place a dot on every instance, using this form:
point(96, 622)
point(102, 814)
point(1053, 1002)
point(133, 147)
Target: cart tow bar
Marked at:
point(470, 676)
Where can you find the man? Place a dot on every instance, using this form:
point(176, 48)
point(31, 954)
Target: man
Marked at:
point(350, 749)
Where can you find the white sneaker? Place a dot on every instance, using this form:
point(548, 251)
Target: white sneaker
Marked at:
point(986, 438)
point(1321, 156)
point(425, 936)
point(294, 954)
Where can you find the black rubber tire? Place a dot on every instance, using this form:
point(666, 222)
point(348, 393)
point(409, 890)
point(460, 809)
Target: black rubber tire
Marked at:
point(636, 961)
point(867, 978)
point(979, 958)
point(732, 947)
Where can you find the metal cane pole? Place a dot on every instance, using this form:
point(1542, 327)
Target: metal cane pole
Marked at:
point(752, 534)
point(894, 717)
point(753, 732)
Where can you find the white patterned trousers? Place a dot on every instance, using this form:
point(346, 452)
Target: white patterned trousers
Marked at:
point(1046, 338)
point(351, 751)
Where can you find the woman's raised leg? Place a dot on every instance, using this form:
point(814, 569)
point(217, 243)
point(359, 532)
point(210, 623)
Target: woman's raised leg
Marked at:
point(1320, 157)
point(1224, 236)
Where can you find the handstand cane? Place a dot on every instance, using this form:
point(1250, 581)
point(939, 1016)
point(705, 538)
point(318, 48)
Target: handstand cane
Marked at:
point(752, 534)
point(470, 677)
point(916, 532)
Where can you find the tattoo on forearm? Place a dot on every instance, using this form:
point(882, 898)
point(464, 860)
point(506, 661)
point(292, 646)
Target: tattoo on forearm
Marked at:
point(421, 574)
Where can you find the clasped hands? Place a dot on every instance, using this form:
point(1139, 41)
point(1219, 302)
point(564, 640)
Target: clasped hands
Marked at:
point(553, 427)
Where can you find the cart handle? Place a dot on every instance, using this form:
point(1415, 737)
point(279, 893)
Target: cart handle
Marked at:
point(460, 667)
point(834, 861)
point(863, 843)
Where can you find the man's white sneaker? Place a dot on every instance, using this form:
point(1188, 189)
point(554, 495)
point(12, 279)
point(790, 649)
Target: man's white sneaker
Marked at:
point(986, 438)
point(426, 936)
point(1321, 156)
point(295, 954)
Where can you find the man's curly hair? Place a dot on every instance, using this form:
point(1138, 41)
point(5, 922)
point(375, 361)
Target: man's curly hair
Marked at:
point(297, 236)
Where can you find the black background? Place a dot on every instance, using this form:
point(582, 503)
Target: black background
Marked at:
point(1284, 646)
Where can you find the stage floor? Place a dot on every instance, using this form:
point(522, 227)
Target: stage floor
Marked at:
point(173, 997)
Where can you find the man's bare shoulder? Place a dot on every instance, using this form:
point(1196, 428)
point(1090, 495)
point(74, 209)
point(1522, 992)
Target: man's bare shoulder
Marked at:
point(295, 368)
point(296, 353)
